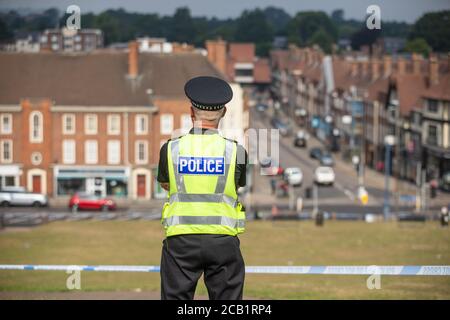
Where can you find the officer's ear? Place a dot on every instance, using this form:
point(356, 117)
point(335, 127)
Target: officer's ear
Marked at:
point(224, 111)
point(192, 114)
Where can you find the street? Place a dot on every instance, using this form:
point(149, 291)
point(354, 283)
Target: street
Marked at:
point(339, 198)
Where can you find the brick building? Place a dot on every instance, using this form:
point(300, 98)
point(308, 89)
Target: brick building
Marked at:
point(92, 122)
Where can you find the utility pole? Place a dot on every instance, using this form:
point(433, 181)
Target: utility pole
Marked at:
point(316, 198)
point(389, 141)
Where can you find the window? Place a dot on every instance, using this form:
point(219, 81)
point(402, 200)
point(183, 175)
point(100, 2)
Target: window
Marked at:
point(69, 151)
point(141, 152)
point(186, 123)
point(114, 152)
point(433, 106)
point(6, 151)
point(141, 124)
point(6, 123)
point(113, 124)
point(36, 127)
point(68, 124)
point(166, 123)
point(90, 124)
point(432, 135)
point(90, 152)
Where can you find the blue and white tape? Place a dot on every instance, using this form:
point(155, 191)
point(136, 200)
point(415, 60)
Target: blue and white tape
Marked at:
point(330, 270)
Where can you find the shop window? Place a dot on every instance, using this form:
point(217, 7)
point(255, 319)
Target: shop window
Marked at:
point(116, 187)
point(71, 186)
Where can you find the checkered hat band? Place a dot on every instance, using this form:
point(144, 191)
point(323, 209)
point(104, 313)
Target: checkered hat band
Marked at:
point(211, 107)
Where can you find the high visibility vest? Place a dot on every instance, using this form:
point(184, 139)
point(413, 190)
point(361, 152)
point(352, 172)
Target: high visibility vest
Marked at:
point(202, 195)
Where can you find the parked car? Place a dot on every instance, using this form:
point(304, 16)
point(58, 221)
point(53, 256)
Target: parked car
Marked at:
point(83, 201)
point(300, 142)
point(260, 107)
point(300, 139)
point(324, 175)
point(19, 196)
point(327, 160)
point(269, 167)
point(315, 153)
point(293, 176)
point(283, 126)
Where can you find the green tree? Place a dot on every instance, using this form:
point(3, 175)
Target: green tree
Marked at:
point(434, 28)
point(322, 39)
point(183, 28)
point(305, 24)
point(277, 18)
point(418, 45)
point(252, 26)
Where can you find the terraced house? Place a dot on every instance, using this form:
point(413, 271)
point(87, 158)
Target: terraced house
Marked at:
point(92, 122)
point(367, 98)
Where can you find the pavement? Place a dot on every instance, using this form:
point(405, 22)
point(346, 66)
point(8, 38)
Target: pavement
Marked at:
point(342, 196)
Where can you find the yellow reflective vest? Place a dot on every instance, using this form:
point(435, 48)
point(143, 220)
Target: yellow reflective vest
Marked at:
point(202, 197)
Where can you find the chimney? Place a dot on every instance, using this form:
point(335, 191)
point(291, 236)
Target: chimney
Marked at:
point(401, 66)
point(217, 54)
point(387, 66)
point(354, 68)
point(306, 51)
point(416, 61)
point(133, 59)
point(375, 72)
point(434, 71)
point(365, 68)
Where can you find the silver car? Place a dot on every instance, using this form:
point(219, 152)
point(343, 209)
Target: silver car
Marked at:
point(18, 196)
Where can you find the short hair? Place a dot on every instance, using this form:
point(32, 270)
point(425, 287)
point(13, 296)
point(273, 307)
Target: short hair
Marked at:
point(208, 115)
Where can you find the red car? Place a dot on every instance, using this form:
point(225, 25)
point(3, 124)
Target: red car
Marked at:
point(81, 201)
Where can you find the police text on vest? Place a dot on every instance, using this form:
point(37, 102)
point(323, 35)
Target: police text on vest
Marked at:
point(201, 165)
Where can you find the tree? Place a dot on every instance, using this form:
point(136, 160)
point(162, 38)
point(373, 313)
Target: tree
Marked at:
point(322, 39)
point(305, 24)
point(277, 18)
point(434, 28)
point(364, 37)
point(5, 33)
point(337, 15)
point(252, 26)
point(418, 45)
point(182, 29)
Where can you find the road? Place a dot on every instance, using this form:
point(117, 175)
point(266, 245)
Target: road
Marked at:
point(341, 197)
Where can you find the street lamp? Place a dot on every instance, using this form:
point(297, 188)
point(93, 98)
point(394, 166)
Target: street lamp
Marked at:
point(389, 142)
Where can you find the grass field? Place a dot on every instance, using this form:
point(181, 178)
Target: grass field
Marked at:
point(264, 243)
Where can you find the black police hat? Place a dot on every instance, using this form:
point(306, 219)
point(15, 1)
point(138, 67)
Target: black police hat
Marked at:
point(208, 93)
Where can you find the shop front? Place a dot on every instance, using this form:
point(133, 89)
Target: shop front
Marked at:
point(101, 181)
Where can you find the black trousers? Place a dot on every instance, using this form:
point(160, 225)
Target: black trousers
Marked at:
point(185, 257)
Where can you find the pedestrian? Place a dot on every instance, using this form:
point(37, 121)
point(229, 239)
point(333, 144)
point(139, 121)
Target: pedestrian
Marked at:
point(273, 185)
point(201, 172)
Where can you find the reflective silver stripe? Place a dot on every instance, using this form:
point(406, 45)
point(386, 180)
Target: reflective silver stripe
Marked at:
point(178, 177)
point(228, 153)
point(195, 197)
point(220, 220)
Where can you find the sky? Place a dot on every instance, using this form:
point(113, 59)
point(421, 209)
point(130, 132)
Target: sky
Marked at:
point(399, 10)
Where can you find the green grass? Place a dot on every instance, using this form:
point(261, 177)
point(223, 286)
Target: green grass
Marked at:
point(264, 243)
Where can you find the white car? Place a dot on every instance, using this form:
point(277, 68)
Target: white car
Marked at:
point(324, 175)
point(294, 176)
point(18, 196)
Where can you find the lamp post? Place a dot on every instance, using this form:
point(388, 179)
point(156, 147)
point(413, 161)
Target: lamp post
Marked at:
point(389, 142)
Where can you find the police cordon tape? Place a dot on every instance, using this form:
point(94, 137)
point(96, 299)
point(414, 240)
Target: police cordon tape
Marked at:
point(330, 270)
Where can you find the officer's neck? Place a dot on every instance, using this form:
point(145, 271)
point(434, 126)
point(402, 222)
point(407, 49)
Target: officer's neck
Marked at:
point(202, 124)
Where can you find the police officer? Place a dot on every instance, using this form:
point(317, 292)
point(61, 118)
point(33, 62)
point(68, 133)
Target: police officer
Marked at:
point(201, 172)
